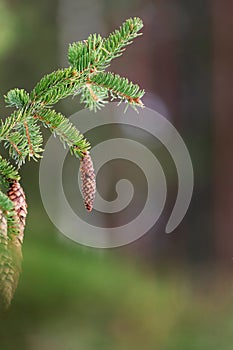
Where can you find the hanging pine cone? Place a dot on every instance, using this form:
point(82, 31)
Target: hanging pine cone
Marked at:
point(11, 247)
point(10, 265)
point(16, 194)
point(88, 181)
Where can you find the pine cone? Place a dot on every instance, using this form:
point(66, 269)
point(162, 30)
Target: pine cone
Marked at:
point(10, 268)
point(10, 265)
point(88, 181)
point(16, 194)
point(11, 247)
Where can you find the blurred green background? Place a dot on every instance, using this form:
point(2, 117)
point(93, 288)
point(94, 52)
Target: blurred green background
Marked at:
point(166, 292)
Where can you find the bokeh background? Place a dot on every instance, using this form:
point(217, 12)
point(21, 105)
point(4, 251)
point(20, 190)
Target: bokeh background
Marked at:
point(166, 292)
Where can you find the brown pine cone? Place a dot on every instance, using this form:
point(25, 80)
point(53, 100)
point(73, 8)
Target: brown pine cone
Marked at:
point(11, 247)
point(16, 194)
point(88, 181)
point(10, 264)
point(10, 268)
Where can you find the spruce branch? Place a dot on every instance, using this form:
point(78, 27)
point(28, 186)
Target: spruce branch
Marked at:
point(84, 56)
point(96, 52)
point(118, 87)
point(54, 87)
point(7, 172)
point(115, 44)
point(8, 125)
point(25, 141)
point(93, 96)
point(65, 130)
point(17, 98)
point(20, 133)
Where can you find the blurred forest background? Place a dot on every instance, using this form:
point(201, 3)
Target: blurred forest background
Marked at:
point(166, 292)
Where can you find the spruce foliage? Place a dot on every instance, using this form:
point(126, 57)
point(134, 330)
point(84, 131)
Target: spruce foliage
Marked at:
point(20, 133)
